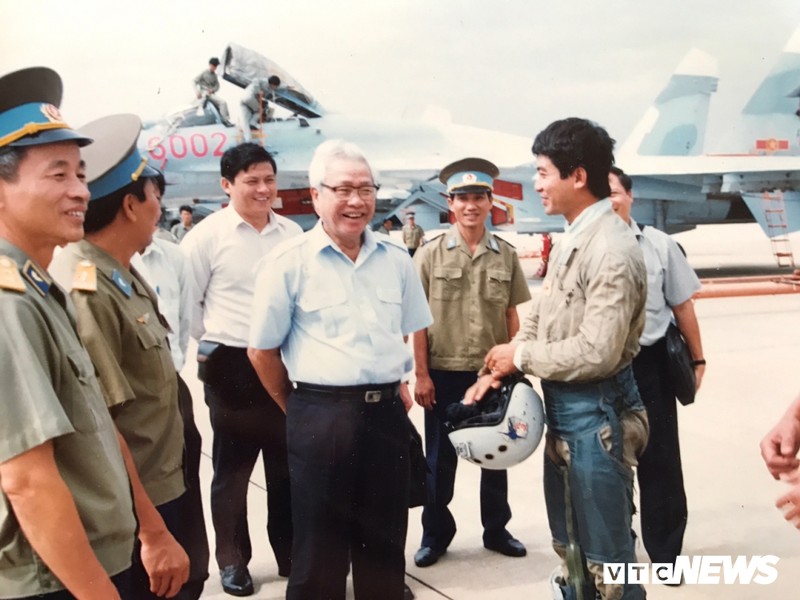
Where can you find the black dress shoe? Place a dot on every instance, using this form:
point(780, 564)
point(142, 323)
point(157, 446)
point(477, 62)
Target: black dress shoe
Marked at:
point(507, 547)
point(427, 556)
point(407, 593)
point(236, 581)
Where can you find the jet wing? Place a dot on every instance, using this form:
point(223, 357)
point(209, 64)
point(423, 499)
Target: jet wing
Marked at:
point(241, 66)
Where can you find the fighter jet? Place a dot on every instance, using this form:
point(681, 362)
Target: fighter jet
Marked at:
point(188, 144)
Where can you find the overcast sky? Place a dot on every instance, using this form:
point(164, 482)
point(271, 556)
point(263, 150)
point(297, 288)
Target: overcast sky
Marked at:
point(511, 65)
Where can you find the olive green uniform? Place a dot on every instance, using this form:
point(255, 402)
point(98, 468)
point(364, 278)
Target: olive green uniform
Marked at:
point(469, 295)
point(127, 339)
point(50, 393)
point(413, 236)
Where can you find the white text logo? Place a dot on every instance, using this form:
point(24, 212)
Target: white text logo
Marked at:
point(696, 570)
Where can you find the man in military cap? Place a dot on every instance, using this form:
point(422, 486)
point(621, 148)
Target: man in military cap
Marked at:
point(413, 234)
point(66, 507)
point(207, 85)
point(474, 283)
point(126, 336)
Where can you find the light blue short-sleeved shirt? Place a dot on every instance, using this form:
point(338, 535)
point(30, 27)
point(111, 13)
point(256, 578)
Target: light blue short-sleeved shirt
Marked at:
point(670, 280)
point(338, 322)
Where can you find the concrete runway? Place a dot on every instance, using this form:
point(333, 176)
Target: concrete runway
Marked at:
point(751, 347)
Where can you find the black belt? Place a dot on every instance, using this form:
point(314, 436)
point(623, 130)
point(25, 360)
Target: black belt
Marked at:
point(366, 393)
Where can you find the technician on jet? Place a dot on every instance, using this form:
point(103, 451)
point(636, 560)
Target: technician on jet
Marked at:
point(254, 103)
point(207, 85)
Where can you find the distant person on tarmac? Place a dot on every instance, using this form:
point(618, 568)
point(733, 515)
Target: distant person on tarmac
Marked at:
point(181, 228)
point(413, 234)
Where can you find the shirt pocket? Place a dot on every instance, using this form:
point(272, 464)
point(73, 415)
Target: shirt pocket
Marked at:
point(154, 364)
point(324, 306)
point(498, 286)
point(83, 400)
point(446, 283)
point(391, 299)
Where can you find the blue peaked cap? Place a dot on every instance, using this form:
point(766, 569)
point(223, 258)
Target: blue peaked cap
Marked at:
point(29, 115)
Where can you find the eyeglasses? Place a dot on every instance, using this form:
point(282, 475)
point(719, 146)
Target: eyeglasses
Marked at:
point(344, 192)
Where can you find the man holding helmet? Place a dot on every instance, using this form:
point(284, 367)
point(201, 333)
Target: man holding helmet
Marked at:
point(474, 282)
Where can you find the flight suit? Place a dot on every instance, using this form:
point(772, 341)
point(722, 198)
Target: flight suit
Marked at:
point(50, 393)
point(468, 296)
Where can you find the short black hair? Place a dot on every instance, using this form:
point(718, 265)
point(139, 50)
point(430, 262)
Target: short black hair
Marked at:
point(623, 177)
point(572, 143)
point(274, 80)
point(101, 211)
point(242, 157)
point(213, 61)
point(187, 208)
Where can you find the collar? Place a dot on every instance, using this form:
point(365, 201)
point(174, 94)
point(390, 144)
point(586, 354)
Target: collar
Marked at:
point(233, 220)
point(572, 231)
point(319, 240)
point(24, 265)
point(637, 231)
point(589, 215)
point(455, 240)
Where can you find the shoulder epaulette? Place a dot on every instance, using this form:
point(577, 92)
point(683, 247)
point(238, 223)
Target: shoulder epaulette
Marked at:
point(506, 242)
point(85, 276)
point(10, 278)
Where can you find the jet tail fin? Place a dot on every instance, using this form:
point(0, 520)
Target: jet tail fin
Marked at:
point(675, 125)
point(770, 121)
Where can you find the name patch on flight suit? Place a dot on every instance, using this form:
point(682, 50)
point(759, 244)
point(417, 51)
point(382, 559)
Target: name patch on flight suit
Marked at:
point(37, 277)
point(85, 277)
point(10, 278)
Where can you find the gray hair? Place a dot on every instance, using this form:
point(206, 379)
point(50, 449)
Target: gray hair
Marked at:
point(329, 151)
point(10, 158)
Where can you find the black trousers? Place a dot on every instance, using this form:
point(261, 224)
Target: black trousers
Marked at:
point(182, 516)
point(438, 523)
point(349, 470)
point(246, 422)
point(661, 490)
point(120, 581)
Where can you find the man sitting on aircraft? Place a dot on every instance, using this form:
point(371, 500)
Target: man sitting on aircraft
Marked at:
point(255, 108)
point(207, 85)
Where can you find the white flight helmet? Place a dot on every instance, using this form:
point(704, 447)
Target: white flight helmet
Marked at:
point(501, 430)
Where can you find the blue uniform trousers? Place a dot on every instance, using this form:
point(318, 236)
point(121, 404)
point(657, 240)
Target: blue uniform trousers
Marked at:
point(438, 524)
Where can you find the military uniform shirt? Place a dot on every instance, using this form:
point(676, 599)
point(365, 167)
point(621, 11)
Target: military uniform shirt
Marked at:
point(585, 322)
point(338, 322)
point(50, 393)
point(127, 340)
point(670, 280)
point(412, 236)
point(468, 296)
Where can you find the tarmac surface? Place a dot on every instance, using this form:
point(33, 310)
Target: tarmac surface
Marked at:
point(752, 347)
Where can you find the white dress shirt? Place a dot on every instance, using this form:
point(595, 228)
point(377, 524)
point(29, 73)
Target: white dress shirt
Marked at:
point(338, 322)
point(164, 267)
point(223, 250)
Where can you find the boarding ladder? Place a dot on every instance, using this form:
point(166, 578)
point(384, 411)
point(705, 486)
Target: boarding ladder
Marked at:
point(777, 227)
